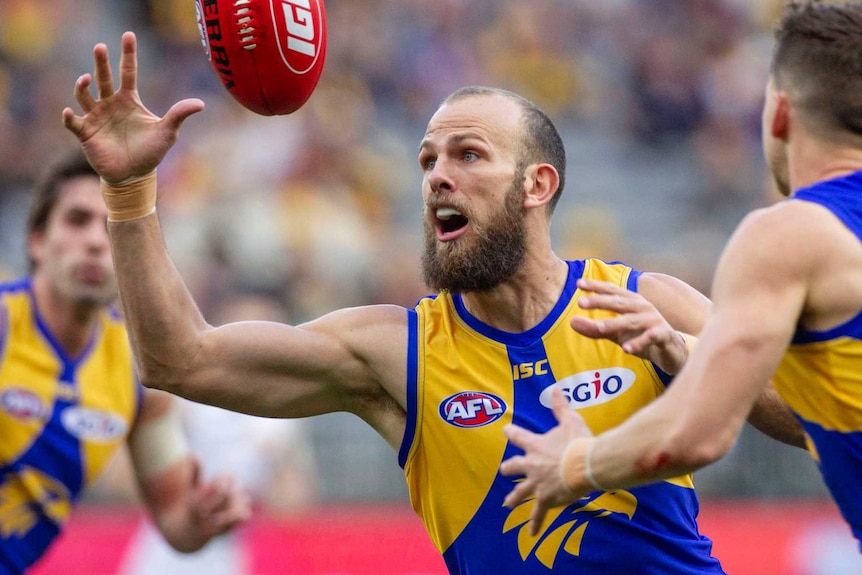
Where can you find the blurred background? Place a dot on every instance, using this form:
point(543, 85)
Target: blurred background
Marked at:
point(659, 105)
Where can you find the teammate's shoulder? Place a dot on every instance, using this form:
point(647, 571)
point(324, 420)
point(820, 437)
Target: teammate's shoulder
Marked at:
point(789, 220)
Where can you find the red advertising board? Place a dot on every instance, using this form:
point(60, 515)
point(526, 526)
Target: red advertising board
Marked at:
point(751, 538)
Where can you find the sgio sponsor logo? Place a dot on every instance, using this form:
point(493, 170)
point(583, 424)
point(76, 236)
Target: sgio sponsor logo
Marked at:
point(299, 26)
point(590, 388)
point(472, 409)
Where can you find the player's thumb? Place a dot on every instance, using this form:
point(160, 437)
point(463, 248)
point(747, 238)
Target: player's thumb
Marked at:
point(180, 111)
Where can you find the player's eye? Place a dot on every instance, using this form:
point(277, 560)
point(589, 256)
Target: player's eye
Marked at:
point(470, 156)
point(77, 218)
point(428, 163)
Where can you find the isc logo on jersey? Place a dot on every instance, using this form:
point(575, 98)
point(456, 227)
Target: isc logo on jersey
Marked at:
point(472, 409)
point(590, 388)
point(299, 32)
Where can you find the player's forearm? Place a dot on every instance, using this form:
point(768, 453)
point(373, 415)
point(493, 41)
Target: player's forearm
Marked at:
point(648, 447)
point(164, 323)
point(695, 423)
point(772, 417)
point(655, 446)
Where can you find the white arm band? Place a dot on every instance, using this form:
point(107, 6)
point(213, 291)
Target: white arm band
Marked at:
point(158, 443)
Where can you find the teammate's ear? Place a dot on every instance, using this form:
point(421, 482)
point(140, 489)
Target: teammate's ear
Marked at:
point(540, 184)
point(780, 124)
point(34, 245)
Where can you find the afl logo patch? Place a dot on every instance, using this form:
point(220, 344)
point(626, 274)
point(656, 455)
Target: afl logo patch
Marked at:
point(472, 409)
point(23, 404)
point(93, 425)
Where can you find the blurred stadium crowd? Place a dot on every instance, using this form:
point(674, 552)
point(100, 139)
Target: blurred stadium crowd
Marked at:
point(658, 101)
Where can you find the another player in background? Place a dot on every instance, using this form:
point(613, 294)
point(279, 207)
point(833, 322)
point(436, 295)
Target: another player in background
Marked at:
point(788, 295)
point(439, 381)
point(69, 395)
point(270, 458)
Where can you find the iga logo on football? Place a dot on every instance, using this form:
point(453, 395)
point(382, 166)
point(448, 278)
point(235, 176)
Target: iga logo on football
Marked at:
point(592, 387)
point(472, 409)
point(299, 31)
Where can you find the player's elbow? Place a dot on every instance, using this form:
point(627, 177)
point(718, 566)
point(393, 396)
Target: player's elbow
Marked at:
point(709, 452)
point(174, 370)
point(163, 377)
point(690, 452)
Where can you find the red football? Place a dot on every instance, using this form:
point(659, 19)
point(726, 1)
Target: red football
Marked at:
point(268, 53)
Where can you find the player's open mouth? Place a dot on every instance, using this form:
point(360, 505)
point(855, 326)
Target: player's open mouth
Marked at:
point(450, 223)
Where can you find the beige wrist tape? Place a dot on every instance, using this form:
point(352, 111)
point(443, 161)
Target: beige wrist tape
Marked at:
point(130, 199)
point(159, 443)
point(575, 469)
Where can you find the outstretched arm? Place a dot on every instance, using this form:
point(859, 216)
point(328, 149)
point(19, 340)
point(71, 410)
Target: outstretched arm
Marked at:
point(335, 363)
point(758, 299)
point(646, 327)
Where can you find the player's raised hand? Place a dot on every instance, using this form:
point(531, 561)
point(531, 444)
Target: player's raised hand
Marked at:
point(121, 138)
point(638, 327)
point(540, 464)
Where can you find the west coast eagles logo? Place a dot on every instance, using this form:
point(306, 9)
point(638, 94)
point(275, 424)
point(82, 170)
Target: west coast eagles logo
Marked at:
point(568, 536)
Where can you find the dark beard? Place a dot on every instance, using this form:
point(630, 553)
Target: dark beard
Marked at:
point(498, 252)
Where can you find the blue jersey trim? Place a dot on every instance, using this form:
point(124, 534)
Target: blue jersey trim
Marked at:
point(22, 283)
point(632, 285)
point(412, 384)
point(851, 328)
point(70, 364)
point(526, 338)
point(632, 281)
point(839, 196)
point(4, 328)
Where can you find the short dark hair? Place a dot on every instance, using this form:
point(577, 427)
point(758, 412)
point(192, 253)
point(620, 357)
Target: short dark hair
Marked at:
point(46, 192)
point(817, 60)
point(542, 142)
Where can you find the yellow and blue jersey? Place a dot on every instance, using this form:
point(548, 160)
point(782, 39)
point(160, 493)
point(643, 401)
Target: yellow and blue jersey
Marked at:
point(820, 377)
point(61, 420)
point(466, 380)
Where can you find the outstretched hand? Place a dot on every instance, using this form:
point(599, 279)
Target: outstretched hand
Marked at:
point(121, 138)
point(541, 462)
point(638, 327)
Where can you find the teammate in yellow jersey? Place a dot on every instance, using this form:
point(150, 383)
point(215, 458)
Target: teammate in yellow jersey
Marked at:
point(788, 299)
point(69, 396)
point(438, 381)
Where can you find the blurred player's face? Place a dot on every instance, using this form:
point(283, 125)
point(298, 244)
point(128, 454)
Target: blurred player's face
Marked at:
point(473, 187)
point(774, 149)
point(73, 252)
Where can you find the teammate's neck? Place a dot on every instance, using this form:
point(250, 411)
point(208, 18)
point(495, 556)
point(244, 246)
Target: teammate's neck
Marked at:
point(70, 323)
